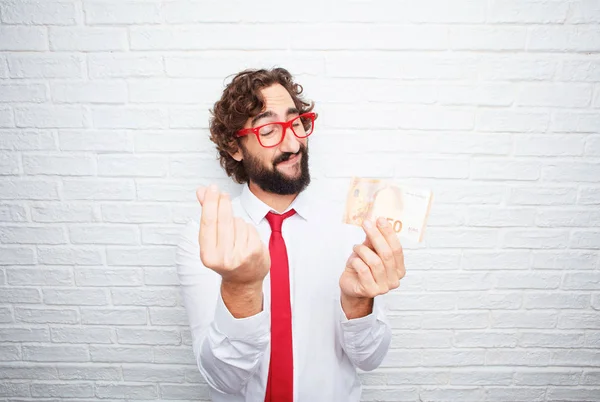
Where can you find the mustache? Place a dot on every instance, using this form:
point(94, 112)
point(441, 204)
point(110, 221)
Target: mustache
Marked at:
point(285, 156)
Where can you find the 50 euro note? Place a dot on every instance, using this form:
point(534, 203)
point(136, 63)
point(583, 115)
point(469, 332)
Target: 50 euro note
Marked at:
point(406, 208)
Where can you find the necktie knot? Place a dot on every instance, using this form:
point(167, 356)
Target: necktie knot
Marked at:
point(276, 220)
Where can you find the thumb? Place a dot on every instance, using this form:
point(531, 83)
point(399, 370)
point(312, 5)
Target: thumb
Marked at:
point(200, 194)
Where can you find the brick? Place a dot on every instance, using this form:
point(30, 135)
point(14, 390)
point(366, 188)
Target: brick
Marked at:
point(511, 121)
point(148, 336)
point(452, 357)
point(188, 117)
point(486, 339)
point(161, 276)
point(8, 334)
point(3, 67)
point(87, 39)
point(50, 116)
point(44, 65)
point(518, 357)
point(524, 67)
point(95, 140)
point(69, 353)
point(98, 189)
point(5, 316)
point(10, 389)
point(555, 95)
point(455, 320)
point(9, 353)
point(126, 391)
point(397, 394)
point(537, 280)
point(522, 319)
point(97, 372)
point(29, 372)
point(77, 297)
point(454, 281)
point(23, 93)
point(411, 377)
point(432, 302)
point(9, 163)
point(579, 320)
point(115, 316)
point(556, 301)
point(36, 13)
point(592, 146)
point(202, 37)
point(562, 394)
point(494, 217)
point(122, 65)
point(575, 122)
point(489, 376)
point(487, 300)
point(62, 212)
point(6, 117)
point(549, 145)
point(128, 12)
point(64, 165)
point(431, 168)
point(447, 216)
point(89, 92)
point(491, 260)
point(567, 218)
point(70, 255)
point(162, 235)
point(535, 238)
point(17, 256)
point(176, 141)
point(524, 394)
point(571, 38)
point(144, 297)
point(584, 12)
point(20, 295)
point(588, 378)
point(585, 239)
point(22, 38)
point(542, 195)
point(431, 339)
point(581, 281)
point(589, 195)
point(152, 256)
point(486, 94)
point(580, 70)
point(168, 316)
point(62, 390)
point(564, 357)
point(487, 38)
point(596, 302)
point(81, 335)
point(174, 355)
point(514, 11)
point(451, 238)
point(547, 377)
point(120, 354)
point(135, 213)
point(129, 117)
point(154, 374)
point(173, 91)
point(108, 277)
point(139, 166)
point(27, 140)
point(183, 391)
point(564, 260)
point(104, 234)
point(46, 315)
point(39, 275)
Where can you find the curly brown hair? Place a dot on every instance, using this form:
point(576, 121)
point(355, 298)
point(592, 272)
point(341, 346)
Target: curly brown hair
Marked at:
point(240, 101)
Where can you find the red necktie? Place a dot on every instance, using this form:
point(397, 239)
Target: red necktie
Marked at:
point(280, 384)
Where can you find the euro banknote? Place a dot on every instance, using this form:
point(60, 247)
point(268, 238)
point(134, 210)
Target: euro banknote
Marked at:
point(406, 208)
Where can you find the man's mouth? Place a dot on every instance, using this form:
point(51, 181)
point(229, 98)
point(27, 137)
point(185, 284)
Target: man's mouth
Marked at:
point(291, 160)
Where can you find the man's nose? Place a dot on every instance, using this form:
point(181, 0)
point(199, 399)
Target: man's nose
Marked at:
point(290, 142)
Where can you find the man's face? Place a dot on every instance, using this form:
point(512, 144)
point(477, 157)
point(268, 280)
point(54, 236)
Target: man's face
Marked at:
point(282, 169)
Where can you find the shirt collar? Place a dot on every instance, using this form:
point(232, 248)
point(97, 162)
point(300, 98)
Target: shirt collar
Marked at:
point(257, 209)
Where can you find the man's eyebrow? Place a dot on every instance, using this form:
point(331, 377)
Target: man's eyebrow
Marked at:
point(269, 113)
point(292, 110)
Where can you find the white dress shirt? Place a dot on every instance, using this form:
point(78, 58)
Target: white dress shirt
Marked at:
point(233, 354)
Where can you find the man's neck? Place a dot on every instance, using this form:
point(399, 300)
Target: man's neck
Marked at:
point(276, 201)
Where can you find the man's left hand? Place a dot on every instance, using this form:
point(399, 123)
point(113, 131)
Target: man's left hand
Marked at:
point(374, 268)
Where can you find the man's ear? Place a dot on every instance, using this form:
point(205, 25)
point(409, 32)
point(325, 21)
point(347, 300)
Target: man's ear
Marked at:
point(237, 155)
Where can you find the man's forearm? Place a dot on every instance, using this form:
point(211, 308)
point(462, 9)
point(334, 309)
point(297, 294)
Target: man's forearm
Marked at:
point(242, 300)
point(356, 307)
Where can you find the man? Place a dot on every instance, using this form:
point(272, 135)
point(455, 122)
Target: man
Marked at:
point(291, 321)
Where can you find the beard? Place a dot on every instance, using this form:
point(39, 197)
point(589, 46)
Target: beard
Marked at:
point(272, 180)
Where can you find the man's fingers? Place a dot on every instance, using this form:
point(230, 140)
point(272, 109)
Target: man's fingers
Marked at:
point(380, 244)
point(225, 228)
point(241, 236)
point(208, 220)
point(366, 283)
point(200, 192)
point(372, 260)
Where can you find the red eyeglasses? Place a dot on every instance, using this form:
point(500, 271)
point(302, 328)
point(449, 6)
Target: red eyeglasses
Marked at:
point(271, 134)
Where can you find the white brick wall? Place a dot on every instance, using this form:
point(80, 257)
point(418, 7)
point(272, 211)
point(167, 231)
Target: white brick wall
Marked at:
point(494, 104)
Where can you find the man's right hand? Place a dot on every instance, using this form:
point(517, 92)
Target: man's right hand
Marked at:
point(228, 245)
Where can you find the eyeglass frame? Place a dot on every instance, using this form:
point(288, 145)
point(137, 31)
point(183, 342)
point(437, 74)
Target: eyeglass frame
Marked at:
point(284, 124)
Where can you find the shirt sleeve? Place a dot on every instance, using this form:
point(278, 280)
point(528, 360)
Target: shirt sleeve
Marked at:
point(228, 350)
point(366, 340)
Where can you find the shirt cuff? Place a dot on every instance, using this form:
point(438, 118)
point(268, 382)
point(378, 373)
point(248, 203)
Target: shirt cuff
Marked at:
point(240, 328)
point(361, 323)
